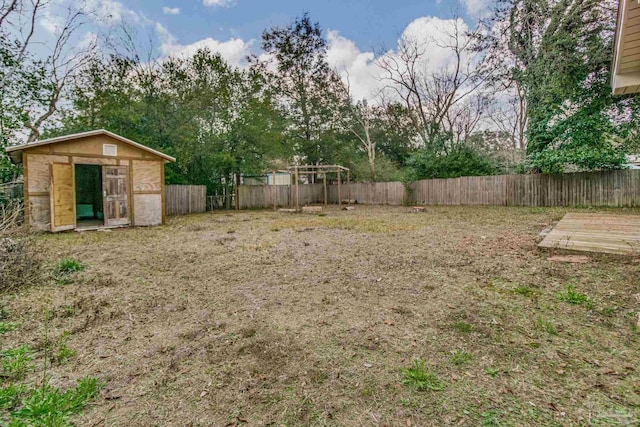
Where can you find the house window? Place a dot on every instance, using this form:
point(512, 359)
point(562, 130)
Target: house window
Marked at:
point(109, 150)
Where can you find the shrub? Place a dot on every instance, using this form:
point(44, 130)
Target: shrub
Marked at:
point(19, 266)
point(11, 214)
point(459, 160)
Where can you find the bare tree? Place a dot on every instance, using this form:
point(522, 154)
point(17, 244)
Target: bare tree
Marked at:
point(66, 59)
point(32, 86)
point(439, 100)
point(17, 19)
point(359, 120)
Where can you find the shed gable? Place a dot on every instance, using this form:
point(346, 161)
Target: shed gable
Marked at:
point(94, 146)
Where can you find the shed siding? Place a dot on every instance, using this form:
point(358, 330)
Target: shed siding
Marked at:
point(148, 209)
point(147, 176)
point(147, 192)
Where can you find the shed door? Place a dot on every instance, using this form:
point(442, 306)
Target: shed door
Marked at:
point(116, 200)
point(62, 197)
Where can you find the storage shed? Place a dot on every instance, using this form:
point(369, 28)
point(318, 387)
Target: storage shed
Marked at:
point(91, 180)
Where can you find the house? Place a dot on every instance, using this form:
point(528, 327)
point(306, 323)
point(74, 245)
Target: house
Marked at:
point(91, 180)
point(626, 56)
point(281, 178)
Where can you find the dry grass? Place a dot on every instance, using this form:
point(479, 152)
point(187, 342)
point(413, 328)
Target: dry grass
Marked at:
point(260, 318)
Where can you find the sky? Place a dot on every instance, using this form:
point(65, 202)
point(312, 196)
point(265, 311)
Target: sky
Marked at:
point(357, 31)
point(371, 24)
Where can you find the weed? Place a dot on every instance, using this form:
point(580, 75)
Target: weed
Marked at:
point(460, 357)
point(419, 377)
point(463, 327)
point(7, 327)
point(63, 352)
point(490, 419)
point(11, 395)
point(545, 326)
point(68, 266)
point(492, 372)
point(49, 406)
point(15, 362)
point(571, 296)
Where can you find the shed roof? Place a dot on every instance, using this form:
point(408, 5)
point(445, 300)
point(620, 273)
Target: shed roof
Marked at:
point(66, 138)
point(626, 56)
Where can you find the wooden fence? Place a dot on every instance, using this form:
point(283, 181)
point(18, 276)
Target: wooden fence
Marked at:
point(610, 188)
point(185, 199)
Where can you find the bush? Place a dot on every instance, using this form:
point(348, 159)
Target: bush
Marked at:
point(11, 214)
point(459, 160)
point(385, 170)
point(19, 266)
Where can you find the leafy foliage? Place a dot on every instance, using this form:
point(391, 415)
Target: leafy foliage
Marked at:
point(460, 160)
point(310, 89)
point(559, 56)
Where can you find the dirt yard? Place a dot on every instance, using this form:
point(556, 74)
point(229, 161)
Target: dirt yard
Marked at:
point(263, 318)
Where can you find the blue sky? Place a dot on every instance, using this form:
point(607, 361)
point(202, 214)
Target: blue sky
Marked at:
point(370, 24)
point(357, 30)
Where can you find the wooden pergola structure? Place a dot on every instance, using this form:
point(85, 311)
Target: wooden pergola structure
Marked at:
point(297, 171)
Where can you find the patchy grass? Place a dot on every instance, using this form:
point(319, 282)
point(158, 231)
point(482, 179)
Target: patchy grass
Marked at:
point(545, 326)
point(47, 405)
point(462, 327)
point(571, 296)
point(260, 318)
point(460, 357)
point(16, 362)
point(7, 327)
point(419, 377)
point(68, 266)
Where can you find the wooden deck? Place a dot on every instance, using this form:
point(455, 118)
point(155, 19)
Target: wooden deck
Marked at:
point(606, 233)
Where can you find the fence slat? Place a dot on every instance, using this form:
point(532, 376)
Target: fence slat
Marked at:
point(185, 199)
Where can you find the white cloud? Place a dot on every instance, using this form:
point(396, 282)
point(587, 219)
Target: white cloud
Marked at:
point(234, 51)
point(361, 67)
point(356, 68)
point(477, 8)
point(217, 3)
point(171, 10)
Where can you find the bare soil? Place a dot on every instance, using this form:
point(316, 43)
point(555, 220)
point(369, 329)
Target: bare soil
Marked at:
point(265, 318)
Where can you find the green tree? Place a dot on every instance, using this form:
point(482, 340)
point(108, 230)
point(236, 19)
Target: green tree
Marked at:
point(459, 160)
point(309, 89)
point(558, 54)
